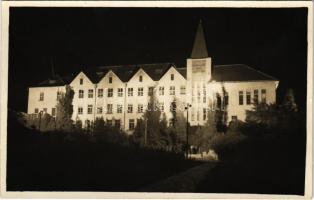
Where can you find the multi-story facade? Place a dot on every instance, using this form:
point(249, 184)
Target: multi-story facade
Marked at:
point(121, 94)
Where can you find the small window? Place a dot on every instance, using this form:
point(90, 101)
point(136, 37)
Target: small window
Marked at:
point(131, 124)
point(162, 107)
point(53, 111)
point(36, 110)
point(80, 110)
point(110, 92)
point(172, 90)
point(120, 92)
point(255, 96)
point(100, 93)
point(263, 96)
point(59, 94)
point(226, 99)
point(99, 110)
point(109, 122)
point(218, 99)
point(182, 89)
point(90, 93)
point(141, 78)
point(110, 79)
point(117, 123)
point(234, 118)
point(140, 91)
point(204, 114)
point(109, 108)
point(119, 108)
point(41, 96)
point(140, 108)
point(130, 108)
point(130, 92)
point(81, 93)
point(240, 97)
point(150, 91)
point(161, 91)
point(90, 109)
point(172, 77)
point(81, 81)
point(248, 97)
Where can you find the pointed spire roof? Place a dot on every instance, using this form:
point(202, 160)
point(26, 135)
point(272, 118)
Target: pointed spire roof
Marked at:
point(199, 47)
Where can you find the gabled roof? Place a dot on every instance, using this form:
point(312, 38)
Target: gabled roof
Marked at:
point(126, 72)
point(199, 48)
point(238, 72)
point(220, 73)
point(56, 81)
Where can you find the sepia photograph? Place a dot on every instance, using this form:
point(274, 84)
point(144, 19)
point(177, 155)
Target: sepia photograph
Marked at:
point(157, 99)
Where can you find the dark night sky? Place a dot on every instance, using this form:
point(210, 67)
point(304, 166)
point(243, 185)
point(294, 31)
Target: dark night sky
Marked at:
point(271, 40)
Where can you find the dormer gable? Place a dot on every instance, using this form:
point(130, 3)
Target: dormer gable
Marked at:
point(110, 78)
point(81, 79)
point(172, 75)
point(141, 77)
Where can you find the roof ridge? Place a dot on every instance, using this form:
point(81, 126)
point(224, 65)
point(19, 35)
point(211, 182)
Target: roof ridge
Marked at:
point(229, 65)
point(261, 72)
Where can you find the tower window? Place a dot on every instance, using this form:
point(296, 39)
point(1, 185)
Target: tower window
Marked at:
point(41, 96)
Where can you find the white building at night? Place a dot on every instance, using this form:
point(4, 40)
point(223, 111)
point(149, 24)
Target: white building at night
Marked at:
point(120, 94)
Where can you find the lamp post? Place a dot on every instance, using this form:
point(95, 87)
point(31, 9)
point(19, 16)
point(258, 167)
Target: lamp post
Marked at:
point(40, 113)
point(187, 129)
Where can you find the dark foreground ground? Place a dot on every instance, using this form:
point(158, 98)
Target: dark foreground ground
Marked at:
point(267, 164)
point(262, 165)
point(48, 162)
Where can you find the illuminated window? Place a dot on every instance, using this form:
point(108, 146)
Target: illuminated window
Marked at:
point(248, 97)
point(140, 91)
point(89, 109)
point(81, 93)
point(109, 108)
point(150, 91)
point(99, 110)
point(182, 89)
point(119, 108)
point(100, 93)
point(140, 108)
point(172, 90)
point(240, 97)
point(255, 96)
point(130, 108)
point(130, 92)
point(161, 91)
point(120, 92)
point(117, 123)
point(131, 124)
point(204, 114)
point(90, 93)
point(53, 111)
point(110, 92)
point(41, 96)
point(263, 96)
point(80, 110)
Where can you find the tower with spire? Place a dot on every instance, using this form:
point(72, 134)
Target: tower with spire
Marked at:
point(199, 72)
